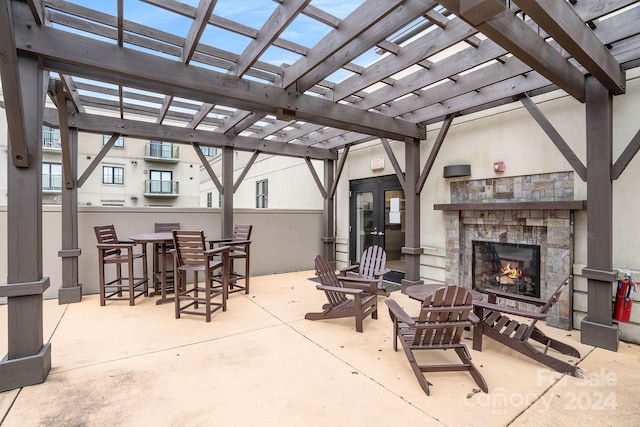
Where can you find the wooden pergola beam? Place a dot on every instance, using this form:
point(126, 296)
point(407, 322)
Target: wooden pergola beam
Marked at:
point(562, 23)
point(355, 24)
point(555, 137)
point(102, 61)
point(151, 131)
point(281, 17)
point(517, 37)
point(11, 88)
point(369, 35)
point(203, 13)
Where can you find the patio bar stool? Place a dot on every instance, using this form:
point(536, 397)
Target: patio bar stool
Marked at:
point(118, 252)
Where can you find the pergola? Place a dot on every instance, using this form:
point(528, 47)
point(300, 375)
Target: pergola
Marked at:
point(435, 60)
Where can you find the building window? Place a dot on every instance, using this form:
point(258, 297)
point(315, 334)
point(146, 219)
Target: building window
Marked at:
point(119, 142)
point(209, 151)
point(112, 175)
point(262, 193)
point(163, 150)
point(50, 137)
point(219, 200)
point(209, 199)
point(161, 182)
point(51, 176)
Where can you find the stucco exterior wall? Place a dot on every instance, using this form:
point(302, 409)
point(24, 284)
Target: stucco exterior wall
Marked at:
point(511, 135)
point(290, 183)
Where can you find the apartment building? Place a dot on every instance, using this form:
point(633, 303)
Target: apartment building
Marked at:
point(134, 172)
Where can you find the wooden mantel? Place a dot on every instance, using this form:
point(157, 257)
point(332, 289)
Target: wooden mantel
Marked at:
point(573, 205)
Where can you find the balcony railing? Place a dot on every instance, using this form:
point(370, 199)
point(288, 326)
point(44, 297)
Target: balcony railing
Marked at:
point(51, 139)
point(160, 188)
point(51, 182)
point(163, 152)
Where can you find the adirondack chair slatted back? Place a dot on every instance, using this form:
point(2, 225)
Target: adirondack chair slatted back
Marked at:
point(525, 331)
point(555, 296)
point(189, 246)
point(327, 276)
point(443, 317)
point(373, 260)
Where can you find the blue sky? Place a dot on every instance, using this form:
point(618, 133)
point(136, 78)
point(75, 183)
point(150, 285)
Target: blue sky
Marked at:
point(253, 13)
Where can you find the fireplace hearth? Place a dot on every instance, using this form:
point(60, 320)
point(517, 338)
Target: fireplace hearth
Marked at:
point(508, 267)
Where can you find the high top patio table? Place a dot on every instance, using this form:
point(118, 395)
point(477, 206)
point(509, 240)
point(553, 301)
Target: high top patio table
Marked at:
point(163, 282)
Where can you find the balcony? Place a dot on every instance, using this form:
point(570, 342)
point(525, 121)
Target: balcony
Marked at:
point(165, 152)
point(51, 140)
point(159, 188)
point(51, 183)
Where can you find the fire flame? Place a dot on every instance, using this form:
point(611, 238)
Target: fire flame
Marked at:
point(511, 273)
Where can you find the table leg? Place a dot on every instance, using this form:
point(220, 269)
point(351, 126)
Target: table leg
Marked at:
point(163, 276)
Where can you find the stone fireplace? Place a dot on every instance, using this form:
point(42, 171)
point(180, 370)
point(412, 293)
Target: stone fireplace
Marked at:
point(524, 211)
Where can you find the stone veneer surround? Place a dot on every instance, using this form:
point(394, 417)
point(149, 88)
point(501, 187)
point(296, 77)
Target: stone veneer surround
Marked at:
point(552, 229)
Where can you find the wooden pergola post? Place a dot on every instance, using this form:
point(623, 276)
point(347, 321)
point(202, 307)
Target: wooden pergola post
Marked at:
point(71, 289)
point(227, 196)
point(28, 360)
point(411, 248)
point(328, 229)
point(597, 328)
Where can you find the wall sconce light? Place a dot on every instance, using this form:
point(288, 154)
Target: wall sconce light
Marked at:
point(377, 164)
point(134, 162)
point(498, 166)
point(454, 171)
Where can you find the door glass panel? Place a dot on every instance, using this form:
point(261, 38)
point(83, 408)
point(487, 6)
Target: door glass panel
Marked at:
point(364, 222)
point(394, 222)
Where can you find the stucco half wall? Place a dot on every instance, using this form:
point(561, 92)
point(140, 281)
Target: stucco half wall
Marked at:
point(282, 240)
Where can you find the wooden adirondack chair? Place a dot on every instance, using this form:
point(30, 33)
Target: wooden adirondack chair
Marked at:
point(439, 326)
point(363, 293)
point(372, 266)
point(517, 335)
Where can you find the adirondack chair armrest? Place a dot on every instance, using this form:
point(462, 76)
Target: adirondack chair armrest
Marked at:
point(345, 270)
point(396, 311)
point(515, 297)
point(367, 285)
point(508, 310)
point(348, 291)
point(382, 272)
point(473, 318)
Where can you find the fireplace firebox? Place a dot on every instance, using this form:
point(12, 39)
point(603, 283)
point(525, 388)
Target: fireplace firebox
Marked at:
point(508, 267)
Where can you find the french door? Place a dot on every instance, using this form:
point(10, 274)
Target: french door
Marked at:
point(377, 217)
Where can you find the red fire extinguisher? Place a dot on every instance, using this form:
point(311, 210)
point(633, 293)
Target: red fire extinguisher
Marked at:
point(624, 299)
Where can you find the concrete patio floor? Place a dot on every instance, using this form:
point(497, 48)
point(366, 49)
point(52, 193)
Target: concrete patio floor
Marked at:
point(262, 363)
